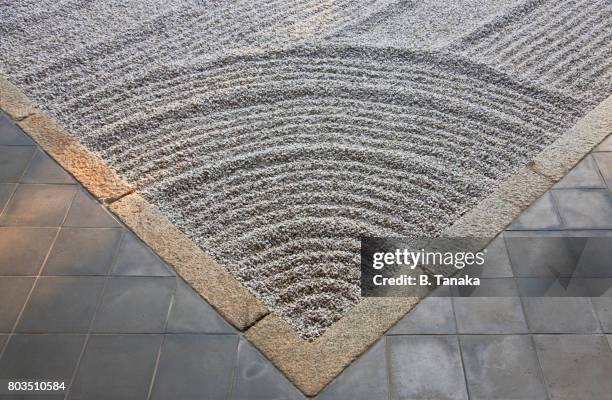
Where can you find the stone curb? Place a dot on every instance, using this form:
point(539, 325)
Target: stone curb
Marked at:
point(86, 167)
point(313, 365)
point(14, 102)
point(228, 296)
point(494, 213)
point(557, 159)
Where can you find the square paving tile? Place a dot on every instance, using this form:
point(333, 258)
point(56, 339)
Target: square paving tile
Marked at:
point(50, 356)
point(38, 205)
point(87, 212)
point(603, 310)
point(584, 175)
point(498, 314)
point(83, 251)
point(433, 315)
point(502, 367)
point(542, 214)
point(425, 367)
point(560, 315)
point(23, 250)
point(136, 259)
point(13, 294)
point(557, 287)
point(366, 378)
point(191, 314)
point(604, 162)
point(585, 208)
point(497, 262)
point(43, 169)
point(61, 304)
point(257, 379)
point(14, 161)
point(533, 254)
point(489, 315)
point(575, 366)
point(116, 367)
point(6, 191)
point(195, 367)
point(11, 134)
point(595, 257)
point(135, 305)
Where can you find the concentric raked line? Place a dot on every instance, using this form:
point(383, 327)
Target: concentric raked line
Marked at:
point(309, 148)
point(275, 150)
point(257, 137)
point(168, 86)
point(308, 364)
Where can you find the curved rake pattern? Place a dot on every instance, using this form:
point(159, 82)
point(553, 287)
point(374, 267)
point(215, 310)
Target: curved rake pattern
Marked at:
point(277, 163)
point(275, 150)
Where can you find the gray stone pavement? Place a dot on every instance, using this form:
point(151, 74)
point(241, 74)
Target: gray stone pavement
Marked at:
point(82, 300)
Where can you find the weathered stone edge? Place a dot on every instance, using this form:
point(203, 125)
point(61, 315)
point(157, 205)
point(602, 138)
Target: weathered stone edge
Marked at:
point(312, 365)
point(14, 102)
point(86, 167)
point(226, 294)
point(494, 213)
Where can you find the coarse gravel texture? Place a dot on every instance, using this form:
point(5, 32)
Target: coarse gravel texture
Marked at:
point(277, 133)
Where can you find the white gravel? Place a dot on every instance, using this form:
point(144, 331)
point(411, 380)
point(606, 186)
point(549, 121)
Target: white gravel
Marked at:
point(276, 133)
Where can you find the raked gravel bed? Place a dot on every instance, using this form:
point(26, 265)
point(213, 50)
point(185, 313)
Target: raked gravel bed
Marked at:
point(277, 133)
